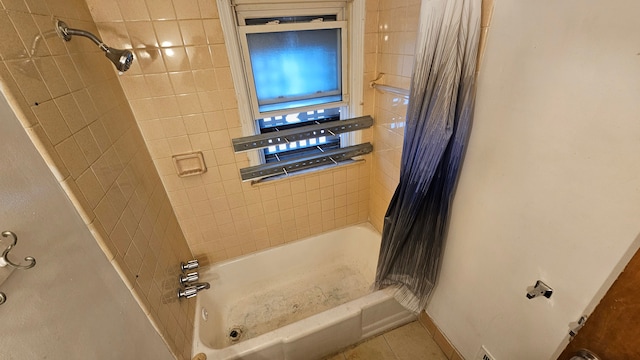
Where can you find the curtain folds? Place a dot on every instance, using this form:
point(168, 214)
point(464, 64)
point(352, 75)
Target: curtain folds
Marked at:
point(437, 128)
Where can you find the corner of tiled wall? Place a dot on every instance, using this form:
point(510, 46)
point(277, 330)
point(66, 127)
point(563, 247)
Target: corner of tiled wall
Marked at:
point(396, 35)
point(70, 102)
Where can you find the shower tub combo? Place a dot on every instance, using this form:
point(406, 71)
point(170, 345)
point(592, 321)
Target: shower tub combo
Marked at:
point(303, 300)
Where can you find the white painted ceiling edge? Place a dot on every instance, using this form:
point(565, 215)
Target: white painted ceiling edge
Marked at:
point(550, 185)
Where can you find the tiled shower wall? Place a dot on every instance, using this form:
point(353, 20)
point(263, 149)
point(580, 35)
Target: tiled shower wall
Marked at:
point(396, 36)
point(70, 102)
point(397, 33)
point(181, 92)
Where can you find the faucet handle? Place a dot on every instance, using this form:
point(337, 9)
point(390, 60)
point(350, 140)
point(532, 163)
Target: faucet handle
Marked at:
point(188, 278)
point(188, 292)
point(189, 265)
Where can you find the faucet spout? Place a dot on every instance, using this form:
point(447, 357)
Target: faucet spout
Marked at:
point(202, 286)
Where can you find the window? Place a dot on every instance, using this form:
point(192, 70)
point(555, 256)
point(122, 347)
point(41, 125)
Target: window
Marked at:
point(295, 65)
point(292, 64)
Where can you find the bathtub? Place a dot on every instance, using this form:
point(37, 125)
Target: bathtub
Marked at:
point(303, 300)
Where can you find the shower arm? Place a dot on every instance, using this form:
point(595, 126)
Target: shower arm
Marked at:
point(67, 32)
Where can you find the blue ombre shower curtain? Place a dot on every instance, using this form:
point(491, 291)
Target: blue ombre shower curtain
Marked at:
point(437, 128)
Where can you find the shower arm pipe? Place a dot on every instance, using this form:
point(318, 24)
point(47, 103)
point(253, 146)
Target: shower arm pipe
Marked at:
point(67, 32)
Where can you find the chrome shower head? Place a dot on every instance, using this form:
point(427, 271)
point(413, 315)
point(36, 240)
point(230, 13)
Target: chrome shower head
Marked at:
point(121, 58)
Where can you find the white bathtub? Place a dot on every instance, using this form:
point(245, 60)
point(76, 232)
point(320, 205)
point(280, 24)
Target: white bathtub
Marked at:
point(302, 300)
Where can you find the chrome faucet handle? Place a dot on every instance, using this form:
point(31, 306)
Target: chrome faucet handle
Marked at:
point(183, 279)
point(189, 265)
point(192, 290)
point(188, 292)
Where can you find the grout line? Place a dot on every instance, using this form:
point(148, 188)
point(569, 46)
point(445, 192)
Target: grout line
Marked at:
point(384, 336)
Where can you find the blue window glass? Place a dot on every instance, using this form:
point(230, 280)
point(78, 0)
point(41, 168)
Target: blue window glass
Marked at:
point(296, 68)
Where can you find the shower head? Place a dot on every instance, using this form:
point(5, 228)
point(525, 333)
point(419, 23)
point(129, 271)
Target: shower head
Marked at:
point(121, 58)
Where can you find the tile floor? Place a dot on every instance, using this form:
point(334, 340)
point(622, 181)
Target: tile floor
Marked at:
point(408, 342)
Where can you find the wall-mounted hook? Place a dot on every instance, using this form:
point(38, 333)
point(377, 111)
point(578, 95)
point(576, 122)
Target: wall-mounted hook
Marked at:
point(4, 260)
point(539, 289)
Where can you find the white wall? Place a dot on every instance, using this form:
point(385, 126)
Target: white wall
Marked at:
point(550, 187)
point(72, 304)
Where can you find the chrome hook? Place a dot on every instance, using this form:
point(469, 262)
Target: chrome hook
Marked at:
point(4, 259)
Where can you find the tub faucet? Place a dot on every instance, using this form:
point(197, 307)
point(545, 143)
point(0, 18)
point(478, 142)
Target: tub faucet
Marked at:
point(201, 286)
point(192, 290)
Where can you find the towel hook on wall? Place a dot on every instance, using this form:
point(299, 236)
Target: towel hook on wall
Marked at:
point(4, 259)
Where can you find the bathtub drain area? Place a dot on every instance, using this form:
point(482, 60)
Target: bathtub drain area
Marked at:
point(281, 302)
point(235, 334)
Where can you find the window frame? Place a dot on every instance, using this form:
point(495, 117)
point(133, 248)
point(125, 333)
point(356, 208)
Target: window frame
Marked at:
point(232, 12)
point(255, 29)
point(244, 12)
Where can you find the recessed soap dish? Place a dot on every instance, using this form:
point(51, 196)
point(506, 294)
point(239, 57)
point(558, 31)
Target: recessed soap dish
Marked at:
point(189, 164)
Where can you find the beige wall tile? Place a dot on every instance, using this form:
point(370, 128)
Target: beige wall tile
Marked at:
point(48, 152)
point(103, 11)
point(28, 31)
point(192, 31)
point(11, 46)
point(29, 81)
point(133, 10)
point(183, 82)
point(168, 33)
point(15, 5)
point(52, 121)
point(208, 9)
point(188, 10)
point(150, 60)
point(199, 57)
point(161, 9)
point(70, 112)
point(71, 155)
point(142, 34)
point(213, 30)
point(158, 85)
point(176, 59)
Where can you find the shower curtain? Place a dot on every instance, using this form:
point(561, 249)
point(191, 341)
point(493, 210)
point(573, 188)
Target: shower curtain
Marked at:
point(436, 133)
